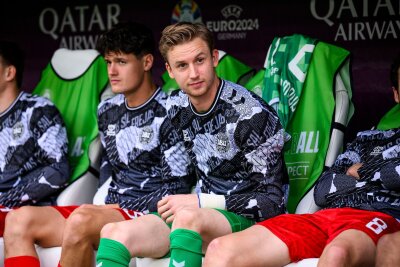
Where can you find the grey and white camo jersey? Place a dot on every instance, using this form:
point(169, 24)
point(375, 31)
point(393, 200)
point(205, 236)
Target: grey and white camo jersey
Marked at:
point(33, 152)
point(142, 152)
point(236, 147)
point(378, 185)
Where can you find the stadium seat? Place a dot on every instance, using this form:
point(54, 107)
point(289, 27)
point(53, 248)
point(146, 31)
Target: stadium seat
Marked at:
point(74, 81)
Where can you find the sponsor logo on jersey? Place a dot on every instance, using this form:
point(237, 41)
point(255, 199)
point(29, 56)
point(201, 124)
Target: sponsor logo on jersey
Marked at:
point(222, 143)
point(146, 135)
point(18, 130)
point(111, 129)
point(377, 151)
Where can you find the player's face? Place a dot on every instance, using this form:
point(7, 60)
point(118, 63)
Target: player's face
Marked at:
point(125, 72)
point(192, 65)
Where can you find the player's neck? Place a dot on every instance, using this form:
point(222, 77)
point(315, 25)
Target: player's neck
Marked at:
point(140, 95)
point(7, 97)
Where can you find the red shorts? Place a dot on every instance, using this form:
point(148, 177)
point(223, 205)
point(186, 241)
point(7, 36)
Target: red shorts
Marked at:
point(306, 235)
point(127, 214)
point(3, 213)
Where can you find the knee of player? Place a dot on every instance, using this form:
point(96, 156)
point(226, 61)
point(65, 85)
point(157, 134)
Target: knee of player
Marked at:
point(337, 253)
point(113, 231)
point(19, 221)
point(219, 254)
point(188, 218)
point(79, 223)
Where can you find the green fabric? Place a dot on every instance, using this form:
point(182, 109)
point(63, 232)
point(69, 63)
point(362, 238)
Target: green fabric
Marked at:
point(255, 84)
point(310, 127)
point(307, 112)
point(112, 253)
point(186, 248)
point(77, 101)
point(286, 68)
point(228, 68)
point(237, 222)
point(391, 119)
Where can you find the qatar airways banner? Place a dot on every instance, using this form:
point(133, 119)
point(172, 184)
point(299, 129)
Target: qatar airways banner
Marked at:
point(369, 29)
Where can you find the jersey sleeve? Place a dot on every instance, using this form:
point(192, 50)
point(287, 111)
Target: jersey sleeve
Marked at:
point(105, 167)
point(383, 169)
point(266, 171)
point(50, 170)
point(335, 181)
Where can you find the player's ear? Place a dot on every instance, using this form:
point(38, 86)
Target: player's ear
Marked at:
point(168, 67)
point(215, 57)
point(148, 62)
point(396, 94)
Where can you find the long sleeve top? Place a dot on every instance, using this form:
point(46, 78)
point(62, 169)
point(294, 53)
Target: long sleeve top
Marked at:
point(378, 187)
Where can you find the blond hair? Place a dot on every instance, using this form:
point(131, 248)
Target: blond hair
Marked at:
point(183, 32)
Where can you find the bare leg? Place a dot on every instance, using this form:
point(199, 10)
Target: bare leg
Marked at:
point(350, 248)
point(146, 236)
point(82, 233)
point(388, 250)
point(29, 225)
point(209, 223)
point(255, 246)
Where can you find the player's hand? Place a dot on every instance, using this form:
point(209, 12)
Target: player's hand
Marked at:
point(353, 170)
point(169, 205)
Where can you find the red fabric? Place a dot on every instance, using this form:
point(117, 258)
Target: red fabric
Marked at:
point(129, 214)
point(3, 213)
point(65, 210)
point(58, 265)
point(26, 261)
point(306, 235)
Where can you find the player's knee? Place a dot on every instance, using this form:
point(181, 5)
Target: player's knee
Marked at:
point(187, 218)
point(114, 231)
point(219, 254)
point(20, 222)
point(78, 225)
point(337, 254)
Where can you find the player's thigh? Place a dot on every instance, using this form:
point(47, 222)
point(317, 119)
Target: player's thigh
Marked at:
point(144, 236)
point(255, 246)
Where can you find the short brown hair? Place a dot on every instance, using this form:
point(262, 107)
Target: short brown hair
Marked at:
point(183, 32)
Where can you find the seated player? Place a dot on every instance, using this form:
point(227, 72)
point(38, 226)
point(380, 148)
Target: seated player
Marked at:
point(33, 140)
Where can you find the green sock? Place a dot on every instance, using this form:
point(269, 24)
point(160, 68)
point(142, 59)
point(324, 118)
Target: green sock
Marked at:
point(185, 248)
point(112, 253)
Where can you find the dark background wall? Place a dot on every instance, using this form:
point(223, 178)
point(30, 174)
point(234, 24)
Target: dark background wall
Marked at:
point(369, 29)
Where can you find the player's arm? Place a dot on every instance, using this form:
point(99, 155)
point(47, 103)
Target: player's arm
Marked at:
point(52, 171)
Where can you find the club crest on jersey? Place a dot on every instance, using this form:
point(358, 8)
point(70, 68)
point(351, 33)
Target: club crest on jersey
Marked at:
point(377, 150)
point(18, 130)
point(147, 135)
point(111, 130)
point(222, 143)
